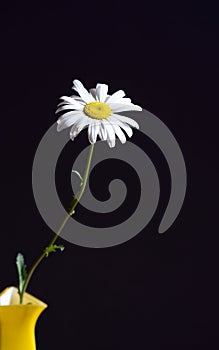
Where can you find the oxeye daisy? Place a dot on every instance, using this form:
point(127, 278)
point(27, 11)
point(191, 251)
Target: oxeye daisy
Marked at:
point(98, 111)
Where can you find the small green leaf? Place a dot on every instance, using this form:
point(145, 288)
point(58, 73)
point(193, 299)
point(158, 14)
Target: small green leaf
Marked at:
point(79, 175)
point(22, 273)
point(53, 248)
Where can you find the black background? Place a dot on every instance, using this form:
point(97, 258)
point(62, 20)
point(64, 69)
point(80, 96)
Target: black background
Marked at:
point(153, 290)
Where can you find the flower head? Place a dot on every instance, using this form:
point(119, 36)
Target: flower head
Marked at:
point(98, 111)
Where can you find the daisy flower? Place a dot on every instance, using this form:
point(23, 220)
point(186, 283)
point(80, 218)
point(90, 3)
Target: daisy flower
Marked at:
point(98, 111)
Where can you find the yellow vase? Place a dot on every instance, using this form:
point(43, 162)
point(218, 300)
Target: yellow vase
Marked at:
point(17, 322)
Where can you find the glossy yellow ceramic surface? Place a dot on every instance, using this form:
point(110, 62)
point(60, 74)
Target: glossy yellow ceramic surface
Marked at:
point(17, 322)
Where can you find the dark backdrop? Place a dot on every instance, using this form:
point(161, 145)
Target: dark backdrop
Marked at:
point(154, 290)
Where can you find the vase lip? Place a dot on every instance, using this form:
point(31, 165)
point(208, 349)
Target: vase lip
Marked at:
point(10, 297)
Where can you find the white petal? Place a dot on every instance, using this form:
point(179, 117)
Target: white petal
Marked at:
point(125, 100)
point(118, 132)
point(71, 100)
point(85, 95)
point(101, 92)
point(68, 121)
point(78, 98)
point(89, 132)
point(121, 107)
point(69, 114)
point(127, 120)
point(69, 106)
point(62, 104)
point(122, 125)
point(93, 130)
point(116, 96)
point(96, 129)
point(93, 93)
point(111, 139)
point(102, 132)
point(78, 126)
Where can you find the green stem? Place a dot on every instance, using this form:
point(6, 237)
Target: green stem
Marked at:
point(75, 202)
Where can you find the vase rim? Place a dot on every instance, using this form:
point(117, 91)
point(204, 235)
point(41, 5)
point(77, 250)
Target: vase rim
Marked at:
point(10, 297)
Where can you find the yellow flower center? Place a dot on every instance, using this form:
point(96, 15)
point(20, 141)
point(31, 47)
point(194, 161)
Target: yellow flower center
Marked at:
point(97, 110)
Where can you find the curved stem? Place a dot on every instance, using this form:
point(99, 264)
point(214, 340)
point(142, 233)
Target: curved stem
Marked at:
point(71, 210)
